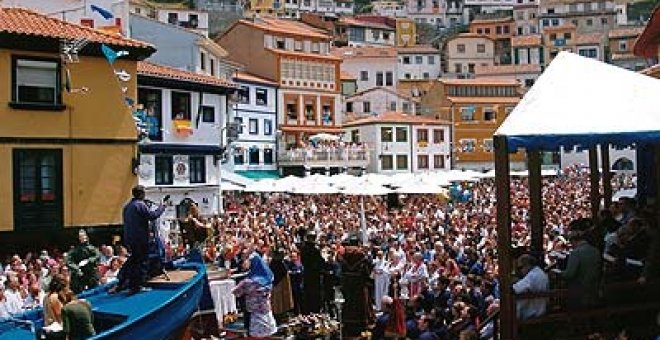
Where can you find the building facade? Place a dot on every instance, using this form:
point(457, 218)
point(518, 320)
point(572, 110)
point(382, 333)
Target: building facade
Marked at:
point(370, 66)
point(254, 153)
point(586, 16)
point(467, 50)
point(567, 38)
point(528, 49)
point(186, 112)
point(379, 100)
point(525, 74)
point(526, 16)
point(356, 32)
point(418, 62)
point(402, 143)
point(621, 41)
point(68, 139)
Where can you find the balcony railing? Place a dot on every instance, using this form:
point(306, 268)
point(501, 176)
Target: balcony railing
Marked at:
point(339, 157)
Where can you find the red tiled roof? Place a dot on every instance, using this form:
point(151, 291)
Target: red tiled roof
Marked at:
point(356, 22)
point(506, 69)
point(526, 40)
point(625, 32)
point(559, 28)
point(328, 57)
point(419, 49)
point(282, 26)
point(26, 22)
point(653, 71)
point(588, 39)
point(396, 118)
point(647, 43)
point(252, 78)
point(166, 72)
point(346, 76)
point(470, 35)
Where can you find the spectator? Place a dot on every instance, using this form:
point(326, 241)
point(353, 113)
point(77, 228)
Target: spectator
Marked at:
point(535, 280)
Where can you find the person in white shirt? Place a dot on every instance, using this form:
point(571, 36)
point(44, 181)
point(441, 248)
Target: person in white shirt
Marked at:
point(535, 280)
point(14, 296)
point(4, 306)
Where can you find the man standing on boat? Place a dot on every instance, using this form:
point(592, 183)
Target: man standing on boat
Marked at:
point(137, 216)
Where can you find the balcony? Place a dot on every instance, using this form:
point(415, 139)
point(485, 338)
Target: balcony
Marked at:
point(324, 158)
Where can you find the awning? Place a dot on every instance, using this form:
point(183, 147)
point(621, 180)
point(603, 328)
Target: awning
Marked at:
point(259, 174)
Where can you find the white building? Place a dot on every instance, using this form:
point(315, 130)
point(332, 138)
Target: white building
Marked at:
point(379, 100)
point(371, 66)
point(388, 8)
point(85, 13)
point(402, 143)
point(418, 62)
point(185, 112)
point(254, 154)
point(490, 6)
point(358, 33)
point(294, 8)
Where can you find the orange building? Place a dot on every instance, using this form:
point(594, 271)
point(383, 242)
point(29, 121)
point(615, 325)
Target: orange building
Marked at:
point(476, 108)
point(500, 30)
point(297, 57)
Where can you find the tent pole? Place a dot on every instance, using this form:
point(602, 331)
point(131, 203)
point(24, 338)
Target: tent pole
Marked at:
point(505, 261)
point(594, 182)
point(607, 174)
point(535, 201)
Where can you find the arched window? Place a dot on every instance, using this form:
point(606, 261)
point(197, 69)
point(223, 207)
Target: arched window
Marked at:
point(623, 163)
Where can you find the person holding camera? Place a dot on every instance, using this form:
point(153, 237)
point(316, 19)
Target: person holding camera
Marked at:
point(137, 216)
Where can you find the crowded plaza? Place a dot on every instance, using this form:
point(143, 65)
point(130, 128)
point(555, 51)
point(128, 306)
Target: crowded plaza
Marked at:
point(420, 266)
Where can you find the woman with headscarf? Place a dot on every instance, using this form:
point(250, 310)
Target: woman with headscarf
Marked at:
point(282, 294)
point(257, 288)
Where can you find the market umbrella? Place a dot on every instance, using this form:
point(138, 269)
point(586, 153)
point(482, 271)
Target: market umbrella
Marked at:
point(324, 137)
point(365, 189)
point(315, 189)
point(421, 188)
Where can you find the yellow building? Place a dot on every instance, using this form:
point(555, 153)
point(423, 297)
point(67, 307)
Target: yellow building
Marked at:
point(406, 32)
point(476, 108)
point(67, 137)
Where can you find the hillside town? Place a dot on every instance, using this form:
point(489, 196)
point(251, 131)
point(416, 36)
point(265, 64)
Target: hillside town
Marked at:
point(262, 125)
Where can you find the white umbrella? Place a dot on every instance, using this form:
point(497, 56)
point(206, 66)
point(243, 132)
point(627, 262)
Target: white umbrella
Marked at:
point(365, 189)
point(227, 186)
point(421, 188)
point(315, 189)
point(266, 185)
point(324, 137)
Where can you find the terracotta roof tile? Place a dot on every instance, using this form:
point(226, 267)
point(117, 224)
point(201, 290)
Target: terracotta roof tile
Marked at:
point(166, 72)
point(653, 71)
point(26, 22)
point(588, 39)
point(526, 40)
point(419, 49)
point(506, 69)
point(625, 32)
point(285, 27)
point(559, 28)
point(624, 56)
point(356, 22)
point(484, 100)
point(244, 76)
point(364, 52)
point(346, 76)
point(396, 118)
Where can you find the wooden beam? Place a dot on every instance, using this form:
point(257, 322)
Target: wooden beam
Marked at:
point(594, 178)
point(607, 174)
point(535, 201)
point(505, 260)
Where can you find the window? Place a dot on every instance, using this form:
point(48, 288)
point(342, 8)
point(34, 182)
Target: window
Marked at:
point(151, 100)
point(401, 135)
point(254, 126)
point(438, 161)
point(498, 30)
point(506, 29)
point(349, 106)
point(164, 170)
point(392, 106)
point(262, 96)
point(386, 162)
point(173, 18)
point(467, 113)
point(268, 156)
point(481, 48)
point(212, 65)
point(386, 134)
point(467, 145)
point(488, 145)
point(244, 95)
point(555, 22)
point(425, 75)
point(553, 36)
point(405, 107)
point(291, 111)
point(471, 67)
point(36, 82)
point(423, 136)
point(480, 31)
point(567, 35)
point(419, 59)
point(316, 47)
point(389, 78)
point(366, 107)
point(180, 105)
point(590, 22)
point(529, 82)
point(239, 156)
point(438, 136)
point(589, 53)
point(197, 166)
point(268, 127)
point(193, 20)
point(254, 155)
point(379, 78)
point(208, 114)
point(364, 75)
point(202, 61)
point(402, 162)
point(487, 30)
point(460, 48)
point(279, 43)
point(431, 60)
point(406, 60)
point(623, 46)
point(489, 115)
point(458, 68)
point(603, 21)
point(422, 161)
point(239, 122)
point(309, 112)
point(37, 176)
point(298, 45)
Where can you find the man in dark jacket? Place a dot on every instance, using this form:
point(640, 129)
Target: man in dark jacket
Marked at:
point(313, 263)
point(137, 216)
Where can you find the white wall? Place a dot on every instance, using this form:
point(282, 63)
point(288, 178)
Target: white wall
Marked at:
point(379, 101)
point(432, 148)
point(184, 15)
point(415, 70)
point(354, 66)
point(571, 157)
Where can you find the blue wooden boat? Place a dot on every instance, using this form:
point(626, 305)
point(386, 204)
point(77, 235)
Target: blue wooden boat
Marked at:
point(159, 313)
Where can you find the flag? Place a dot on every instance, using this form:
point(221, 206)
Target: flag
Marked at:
point(110, 54)
point(103, 12)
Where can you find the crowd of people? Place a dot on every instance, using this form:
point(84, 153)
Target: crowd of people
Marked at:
point(426, 262)
point(327, 150)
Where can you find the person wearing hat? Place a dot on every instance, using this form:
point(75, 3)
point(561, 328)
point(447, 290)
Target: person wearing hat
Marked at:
point(83, 262)
point(312, 262)
point(583, 270)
